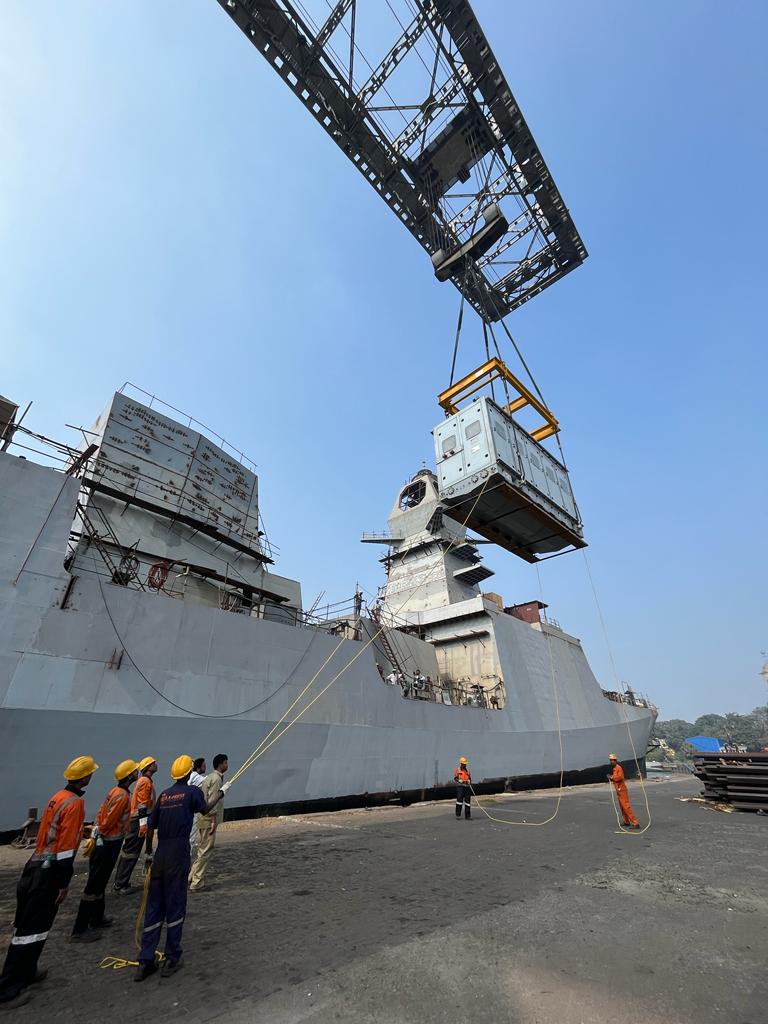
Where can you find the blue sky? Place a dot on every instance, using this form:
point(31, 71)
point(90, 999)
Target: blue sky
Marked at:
point(172, 216)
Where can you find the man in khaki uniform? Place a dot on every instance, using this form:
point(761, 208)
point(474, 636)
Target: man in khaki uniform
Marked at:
point(208, 823)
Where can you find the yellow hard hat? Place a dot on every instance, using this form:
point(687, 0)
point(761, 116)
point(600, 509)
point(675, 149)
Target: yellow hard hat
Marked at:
point(79, 768)
point(181, 767)
point(125, 768)
point(145, 762)
point(462, 760)
point(612, 757)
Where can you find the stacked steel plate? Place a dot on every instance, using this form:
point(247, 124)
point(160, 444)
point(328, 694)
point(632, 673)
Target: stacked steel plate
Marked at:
point(740, 780)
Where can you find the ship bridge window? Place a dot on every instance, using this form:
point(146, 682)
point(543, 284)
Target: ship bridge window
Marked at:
point(413, 495)
point(449, 444)
point(473, 429)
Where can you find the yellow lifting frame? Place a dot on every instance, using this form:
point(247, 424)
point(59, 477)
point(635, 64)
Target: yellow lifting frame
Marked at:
point(496, 369)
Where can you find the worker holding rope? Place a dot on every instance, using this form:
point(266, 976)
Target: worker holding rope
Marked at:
point(172, 819)
point(109, 830)
point(463, 780)
point(142, 802)
point(616, 777)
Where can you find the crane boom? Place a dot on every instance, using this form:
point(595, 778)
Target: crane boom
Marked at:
point(433, 126)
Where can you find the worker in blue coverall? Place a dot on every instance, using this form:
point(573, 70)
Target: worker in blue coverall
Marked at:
point(172, 819)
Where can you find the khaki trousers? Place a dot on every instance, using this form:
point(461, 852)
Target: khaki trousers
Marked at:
point(206, 842)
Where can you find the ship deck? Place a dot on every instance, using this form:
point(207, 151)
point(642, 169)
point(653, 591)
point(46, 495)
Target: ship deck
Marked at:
point(405, 914)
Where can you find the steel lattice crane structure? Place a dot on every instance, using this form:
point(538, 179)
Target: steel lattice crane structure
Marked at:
point(433, 126)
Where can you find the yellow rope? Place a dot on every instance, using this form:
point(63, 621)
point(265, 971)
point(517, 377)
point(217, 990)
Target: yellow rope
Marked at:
point(142, 908)
point(117, 963)
point(268, 741)
point(546, 821)
point(623, 831)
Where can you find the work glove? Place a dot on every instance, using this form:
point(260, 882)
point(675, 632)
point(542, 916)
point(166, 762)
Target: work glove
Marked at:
point(225, 787)
point(147, 863)
point(89, 846)
point(142, 831)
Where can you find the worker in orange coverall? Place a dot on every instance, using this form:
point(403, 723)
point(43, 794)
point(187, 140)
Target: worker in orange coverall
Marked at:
point(617, 778)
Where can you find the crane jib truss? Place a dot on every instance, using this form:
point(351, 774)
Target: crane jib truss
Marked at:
point(434, 127)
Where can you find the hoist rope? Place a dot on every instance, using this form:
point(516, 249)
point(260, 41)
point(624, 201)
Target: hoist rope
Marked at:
point(488, 355)
point(633, 832)
point(458, 335)
point(556, 692)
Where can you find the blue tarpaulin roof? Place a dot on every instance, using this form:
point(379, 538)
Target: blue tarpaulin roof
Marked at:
point(704, 743)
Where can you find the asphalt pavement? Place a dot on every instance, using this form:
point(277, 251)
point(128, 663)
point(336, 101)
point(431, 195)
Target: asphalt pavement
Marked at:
point(408, 916)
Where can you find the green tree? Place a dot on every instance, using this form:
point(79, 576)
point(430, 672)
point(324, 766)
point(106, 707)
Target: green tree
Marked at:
point(751, 729)
point(710, 725)
point(741, 729)
point(674, 731)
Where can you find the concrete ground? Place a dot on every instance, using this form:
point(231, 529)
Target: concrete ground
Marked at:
point(405, 915)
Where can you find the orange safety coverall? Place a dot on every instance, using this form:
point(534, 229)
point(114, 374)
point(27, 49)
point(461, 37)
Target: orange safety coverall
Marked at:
point(111, 824)
point(42, 886)
point(617, 778)
point(112, 819)
point(143, 802)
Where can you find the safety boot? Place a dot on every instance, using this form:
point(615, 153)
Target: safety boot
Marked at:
point(144, 971)
point(171, 966)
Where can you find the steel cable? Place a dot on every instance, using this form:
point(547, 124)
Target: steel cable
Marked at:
point(633, 832)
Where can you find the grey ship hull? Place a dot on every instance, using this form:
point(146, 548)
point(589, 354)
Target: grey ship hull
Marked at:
point(62, 692)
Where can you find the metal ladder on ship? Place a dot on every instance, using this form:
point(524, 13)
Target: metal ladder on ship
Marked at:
point(393, 655)
point(125, 569)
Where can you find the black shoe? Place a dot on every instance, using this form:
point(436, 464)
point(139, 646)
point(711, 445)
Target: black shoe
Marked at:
point(40, 975)
point(171, 966)
point(105, 922)
point(92, 935)
point(144, 971)
point(125, 890)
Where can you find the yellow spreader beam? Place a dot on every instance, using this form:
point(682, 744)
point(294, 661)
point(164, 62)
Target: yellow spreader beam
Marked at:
point(496, 369)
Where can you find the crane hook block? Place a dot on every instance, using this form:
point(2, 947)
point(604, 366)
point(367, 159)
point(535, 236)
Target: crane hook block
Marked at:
point(495, 227)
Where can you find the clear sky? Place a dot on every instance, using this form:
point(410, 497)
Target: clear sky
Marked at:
point(171, 215)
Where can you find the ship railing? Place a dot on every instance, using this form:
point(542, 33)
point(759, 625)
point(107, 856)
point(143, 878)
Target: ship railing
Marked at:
point(191, 422)
point(633, 699)
point(448, 692)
